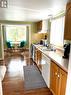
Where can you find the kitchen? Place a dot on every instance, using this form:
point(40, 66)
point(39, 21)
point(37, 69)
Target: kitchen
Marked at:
point(38, 36)
point(55, 55)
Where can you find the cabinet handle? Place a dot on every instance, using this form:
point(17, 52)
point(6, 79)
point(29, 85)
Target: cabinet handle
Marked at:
point(56, 73)
point(58, 76)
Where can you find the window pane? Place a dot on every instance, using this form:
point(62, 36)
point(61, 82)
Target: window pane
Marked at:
point(16, 33)
point(57, 31)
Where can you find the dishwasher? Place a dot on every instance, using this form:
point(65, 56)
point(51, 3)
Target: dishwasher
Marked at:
point(46, 69)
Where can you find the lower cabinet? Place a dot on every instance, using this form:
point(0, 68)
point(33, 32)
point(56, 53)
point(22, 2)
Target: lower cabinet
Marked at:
point(35, 55)
point(53, 78)
point(38, 58)
point(58, 79)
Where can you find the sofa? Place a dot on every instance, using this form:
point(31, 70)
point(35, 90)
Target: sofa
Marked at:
point(2, 74)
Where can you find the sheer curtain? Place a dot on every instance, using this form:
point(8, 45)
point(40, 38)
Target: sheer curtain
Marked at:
point(15, 33)
point(57, 31)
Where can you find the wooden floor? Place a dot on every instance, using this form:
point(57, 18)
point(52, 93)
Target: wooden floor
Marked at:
point(13, 83)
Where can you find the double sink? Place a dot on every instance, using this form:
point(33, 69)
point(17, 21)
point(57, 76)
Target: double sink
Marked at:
point(44, 48)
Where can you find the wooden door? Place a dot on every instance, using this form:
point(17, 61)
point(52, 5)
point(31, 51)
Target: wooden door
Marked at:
point(39, 60)
point(38, 57)
point(53, 78)
point(67, 31)
point(62, 82)
point(35, 56)
point(39, 25)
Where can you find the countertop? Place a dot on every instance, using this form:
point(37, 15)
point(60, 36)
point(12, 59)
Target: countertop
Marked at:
point(54, 56)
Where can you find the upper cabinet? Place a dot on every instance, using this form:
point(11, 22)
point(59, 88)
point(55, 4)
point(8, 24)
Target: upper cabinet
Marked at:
point(67, 32)
point(39, 25)
point(42, 26)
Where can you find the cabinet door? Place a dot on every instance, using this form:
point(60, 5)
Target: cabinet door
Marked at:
point(54, 78)
point(67, 31)
point(39, 25)
point(35, 56)
point(58, 79)
point(39, 58)
point(62, 82)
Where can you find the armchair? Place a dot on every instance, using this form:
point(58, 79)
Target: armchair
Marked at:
point(22, 44)
point(9, 47)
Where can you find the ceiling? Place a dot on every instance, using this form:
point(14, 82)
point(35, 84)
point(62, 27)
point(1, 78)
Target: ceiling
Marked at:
point(31, 10)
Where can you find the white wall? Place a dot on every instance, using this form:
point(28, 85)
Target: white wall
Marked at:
point(1, 44)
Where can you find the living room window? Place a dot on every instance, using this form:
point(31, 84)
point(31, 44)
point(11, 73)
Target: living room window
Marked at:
point(15, 33)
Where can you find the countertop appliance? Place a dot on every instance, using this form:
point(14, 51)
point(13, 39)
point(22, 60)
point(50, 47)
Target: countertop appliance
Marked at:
point(41, 42)
point(66, 50)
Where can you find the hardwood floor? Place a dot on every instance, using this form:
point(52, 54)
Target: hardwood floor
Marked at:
point(13, 83)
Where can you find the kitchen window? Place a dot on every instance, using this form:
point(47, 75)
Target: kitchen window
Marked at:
point(57, 31)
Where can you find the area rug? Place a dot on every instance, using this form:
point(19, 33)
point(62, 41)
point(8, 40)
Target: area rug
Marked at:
point(33, 78)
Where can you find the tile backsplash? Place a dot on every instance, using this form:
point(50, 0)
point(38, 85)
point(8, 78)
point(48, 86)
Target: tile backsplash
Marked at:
point(67, 41)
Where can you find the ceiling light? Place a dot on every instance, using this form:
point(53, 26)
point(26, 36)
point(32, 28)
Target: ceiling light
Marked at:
point(3, 3)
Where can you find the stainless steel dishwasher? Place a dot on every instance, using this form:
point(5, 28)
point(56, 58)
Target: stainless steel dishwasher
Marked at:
point(46, 69)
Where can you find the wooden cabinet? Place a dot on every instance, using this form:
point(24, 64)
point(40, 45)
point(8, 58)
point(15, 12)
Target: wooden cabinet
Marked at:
point(58, 79)
point(38, 58)
point(67, 31)
point(39, 25)
point(35, 55)
point(62, 82)
point(53, 78)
